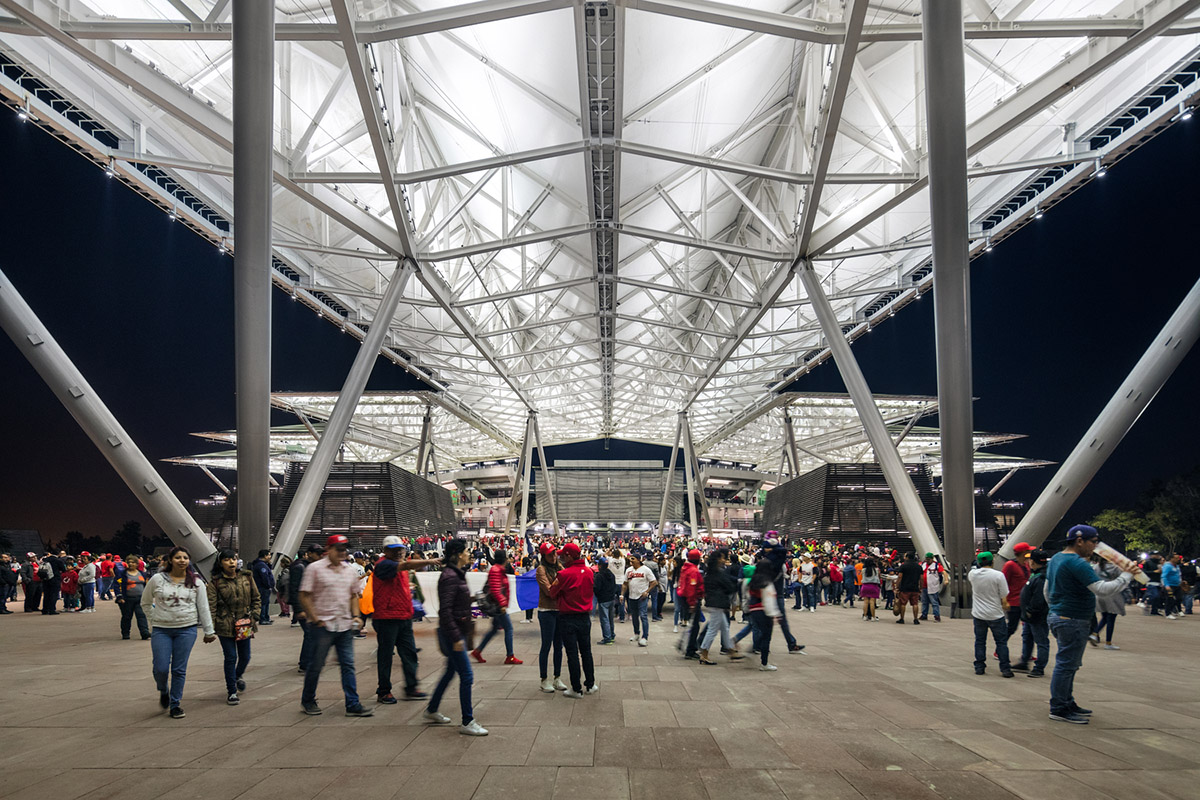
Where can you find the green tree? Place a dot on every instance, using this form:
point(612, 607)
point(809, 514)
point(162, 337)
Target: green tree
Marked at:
point(1139, 531)
point(128, 539)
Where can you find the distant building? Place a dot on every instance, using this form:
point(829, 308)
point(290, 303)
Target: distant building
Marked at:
point(22, 542)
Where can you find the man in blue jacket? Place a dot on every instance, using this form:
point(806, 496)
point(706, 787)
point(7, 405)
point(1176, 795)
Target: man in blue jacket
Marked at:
point(264, 579)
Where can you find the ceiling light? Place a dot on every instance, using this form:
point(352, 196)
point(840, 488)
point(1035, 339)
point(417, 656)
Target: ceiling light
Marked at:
point(22, 114)
point(1038, 213)
point(222, 249)
point(174, 215)
point(1184, 113)
point(108, 170)
point(988, 247)
point(1101, 171)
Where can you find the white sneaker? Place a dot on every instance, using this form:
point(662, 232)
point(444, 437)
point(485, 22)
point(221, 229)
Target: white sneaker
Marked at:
point(767, 668)
point(572, 693)
point(594, 690)
point(548, 686)
point(435, 717)
point(642, 642)
point(633, 638)
point(675, 629)
point(527, 621)
point(1111, 647)
point(558, 684)
point(1172, 616)
point(472, 729)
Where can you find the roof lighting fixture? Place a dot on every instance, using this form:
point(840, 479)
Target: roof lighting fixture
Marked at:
point(1038, 213)
point(222, 249)
point(174, 215)
point(23, 114)
point(1101, 170)
point(108, 170)
point(1184, 113)
point(987, 248)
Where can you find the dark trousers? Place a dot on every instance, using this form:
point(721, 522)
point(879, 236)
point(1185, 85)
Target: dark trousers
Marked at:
point(551, 638)
point(1013, 620)
point(783, 627)
point(458, 664)
point(265, 601)
point(576, 633)
point(237, 656)
point(33, 596)
point(395, 635)
point(50, 590)
point(1035, 634)
point(1106, 623)
point(343, 643)
point(88, 593)
point(691, 618)
point(999, 629)
point(306, 646)
point(763, 625)
point(129, 609)
point(660, 601)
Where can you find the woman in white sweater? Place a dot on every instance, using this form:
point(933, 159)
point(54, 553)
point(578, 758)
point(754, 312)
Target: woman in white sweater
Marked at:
point(176, 602)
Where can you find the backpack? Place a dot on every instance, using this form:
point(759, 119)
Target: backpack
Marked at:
point(1033, 599)
point(488, 604)
point(46, 571)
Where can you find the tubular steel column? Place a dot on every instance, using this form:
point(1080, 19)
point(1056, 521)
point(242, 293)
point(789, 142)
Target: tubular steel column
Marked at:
point(898, 479)
point(1135, 393)
point(527, 473)
point(300, 512)
point(82, 402)
point(693, 520)
point(537, 437)
point(945, 103)
point(792, 450)
point(253, 153)
point(423, 449)
point(670, 481)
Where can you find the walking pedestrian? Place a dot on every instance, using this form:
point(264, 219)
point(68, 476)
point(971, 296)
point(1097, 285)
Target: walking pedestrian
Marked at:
point(234, 603)
point(8, 580)
point(393, 618)
point(720, 588)
point(87, 582)
point(690, 593)
point(910, 588)
point(572, 588)
point(264, 578)
point(455, 632)
point(329, 596)
point(176, 605)
point(635, 591)
point(131, 585)
point(605, 589)
point(547, 571)
point(498, 589)
point(1035, 632)
point(1016, 573)
point(933, 577)
point(764, 609)
point(1072, 589)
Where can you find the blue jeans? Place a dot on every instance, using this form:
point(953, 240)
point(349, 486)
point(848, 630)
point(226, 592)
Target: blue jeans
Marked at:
point(343, 643)
point(810, 594)
point(548, 622)
point(999, 629)
point(306, 645)
point(762, 633)
point(718, 623)
point(850, 589)
point(237, 656)
point(639, 612)
point(458, 664)
point(105, 588)
point(88, 592)
point(1072, 636)
point(1035, 633)
point(748, 629)
point(500, 622)
point(265, 602)
point(170, 649)
point(654, 610)
point(606, 620)
point(783, 627)
point(930, 600)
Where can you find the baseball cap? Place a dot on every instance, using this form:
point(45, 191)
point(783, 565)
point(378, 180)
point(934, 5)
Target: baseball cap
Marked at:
point(1023, 547)
point(570, 549)
point(313, 548)
point(986, 555)
point(1082, 532)
point(337, 540)
point(602, 561)
point(693, 556)
point(392, 541)
point(929, 555)
point(1039, 555)
point(546, 548)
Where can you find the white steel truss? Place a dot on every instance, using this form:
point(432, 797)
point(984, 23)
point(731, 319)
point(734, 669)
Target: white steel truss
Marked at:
point(605, 200)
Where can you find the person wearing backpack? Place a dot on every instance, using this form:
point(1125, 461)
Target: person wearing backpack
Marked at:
point(51, 572)
point(1035, 631)
point(497, 589)
point(233, 601)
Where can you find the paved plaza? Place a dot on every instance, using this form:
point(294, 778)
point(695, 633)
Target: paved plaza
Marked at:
point(874, 710)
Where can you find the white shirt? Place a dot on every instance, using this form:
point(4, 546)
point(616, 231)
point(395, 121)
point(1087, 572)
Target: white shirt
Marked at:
point(806, 573)
point(173, 605)
point(617, 567)
point(639, 581)
point(933, 578)
point(988, 592)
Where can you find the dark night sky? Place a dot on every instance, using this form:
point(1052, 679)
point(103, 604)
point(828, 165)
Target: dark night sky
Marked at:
point(1061, 312)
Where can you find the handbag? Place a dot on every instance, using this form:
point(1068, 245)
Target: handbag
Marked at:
point(243, 629)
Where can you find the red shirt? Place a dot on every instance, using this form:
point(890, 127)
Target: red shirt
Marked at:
point(391, 593)
point(573, 588)
point(1017, 575)
point(691, 583)
point(106, 569)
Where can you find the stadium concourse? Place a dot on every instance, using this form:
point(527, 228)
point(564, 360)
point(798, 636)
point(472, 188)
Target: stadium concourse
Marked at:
point(874, 711)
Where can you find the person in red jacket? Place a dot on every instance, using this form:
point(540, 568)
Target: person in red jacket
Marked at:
point(690, 592)
point(497, 588)
point(1017, 572)
point(573, 588)
point(391, 595)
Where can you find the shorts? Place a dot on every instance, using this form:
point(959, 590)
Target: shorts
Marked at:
point(908, 598)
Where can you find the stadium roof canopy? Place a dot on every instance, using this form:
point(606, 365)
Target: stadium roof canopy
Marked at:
point(605, 201)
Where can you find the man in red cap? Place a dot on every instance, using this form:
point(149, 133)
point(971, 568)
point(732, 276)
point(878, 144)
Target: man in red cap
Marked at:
point(573, 588)
point(690, 592)
point(1016, 572)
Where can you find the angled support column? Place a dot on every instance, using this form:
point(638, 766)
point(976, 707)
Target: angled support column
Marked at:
point(691, 471)
point(670, 480)
point(792, 450)
point(527, 473)
point(537, 436)
point(903, 492)
point(423, 448)
point(300, 512)
point(1008, 475)
point(81, 401)
point(215, 479)
point(253, 161)
point(945, 103)
point(1135, 393)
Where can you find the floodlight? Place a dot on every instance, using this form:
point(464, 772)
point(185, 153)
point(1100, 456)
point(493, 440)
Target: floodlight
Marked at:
point(174, 215)
point(1184, 112)
point(22, 114)
point(222, 249)
point(1038, 213)
point(108, 170)
point(1101, 170)
point(988, 247)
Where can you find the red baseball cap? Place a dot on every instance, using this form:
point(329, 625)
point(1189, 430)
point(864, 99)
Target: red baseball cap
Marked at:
point(546, 548)
point(570, 549)
point(1021, 548)
point(693, 556)
point(337, 540)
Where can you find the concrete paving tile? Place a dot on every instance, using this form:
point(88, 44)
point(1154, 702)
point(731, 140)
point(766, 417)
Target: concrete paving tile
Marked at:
point(1072, 754)
point(655, 784)
point(376, 783)
point(755, 783)
point(1041, 785)
point(570, 746)
point(648, 713)
point(440, 783)
point(688, 748)
point(142, 784)
point(517, 783)
point(604, 713)
point(747, 715)
point(1125, 783)
point(221, 784)
point(639, 674)
point(622, 690)
point(813, 751)
point(750, 748)
point(874, 750)
point(375, 746)
point(552, 711)
point(676, 673)
point(805, 784)
point(883, 783)
point(503, 746)
point(609, 783)
point(1002, 752)
point(295, 784)
point(697, 714)
point(852, 715)
point(436, 744)
point(493, 712)
point(710, 690)
point(957, 785)
point(627, 748)
point(936, 750)
point(664, 690)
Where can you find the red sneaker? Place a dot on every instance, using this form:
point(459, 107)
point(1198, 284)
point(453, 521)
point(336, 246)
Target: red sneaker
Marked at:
point(476, 655)
point(513, 660)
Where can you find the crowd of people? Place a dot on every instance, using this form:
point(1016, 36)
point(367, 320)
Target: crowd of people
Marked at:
point(330, 593)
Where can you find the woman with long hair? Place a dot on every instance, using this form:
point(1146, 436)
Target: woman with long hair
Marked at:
point(234, 601)
point(547, 572)
point(720, 589)
point(764, 608)
point(176, 603)
point(455, 632)
point(870, 589)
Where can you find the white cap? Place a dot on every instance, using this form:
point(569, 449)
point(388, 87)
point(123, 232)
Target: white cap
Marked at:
point(392, 541)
